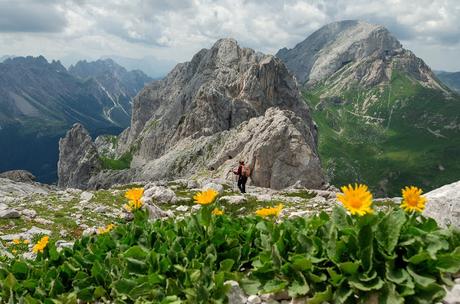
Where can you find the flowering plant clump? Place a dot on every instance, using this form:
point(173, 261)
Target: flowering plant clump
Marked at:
point(134, 196)
point(206, 197)
point(274, 211)
point(413, 201)
point(106, 229)
point(41, 244)
point(357, 200)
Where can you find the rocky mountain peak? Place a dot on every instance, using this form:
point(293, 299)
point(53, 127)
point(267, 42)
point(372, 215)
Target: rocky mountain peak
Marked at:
point(78, 158)
point(335, 45)
point(221, 104)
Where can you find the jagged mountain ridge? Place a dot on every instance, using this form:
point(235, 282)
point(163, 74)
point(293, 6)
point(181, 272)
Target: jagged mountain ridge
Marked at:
point(383, 116)
point(119, 84)
point(227, 101)
point(39, 101)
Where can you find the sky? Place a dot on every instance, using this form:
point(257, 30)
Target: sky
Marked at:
point(170, 31)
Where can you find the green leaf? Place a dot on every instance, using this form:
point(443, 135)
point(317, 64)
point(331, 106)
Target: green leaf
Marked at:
point(423, 281)
point(274, 286)
point(349, 267)
point(390, 295)
point(19, 269)
point(389, 229)
point(136, 252)
point(374, 284)
point(365, 239)
point(226, 265)
point(301, 263)
point(250, 286)
point(396, 274)
point(124, 286)
point(10, 281)
point(320, 297)
point(298, 288)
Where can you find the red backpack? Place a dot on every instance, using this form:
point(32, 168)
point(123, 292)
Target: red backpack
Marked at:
point(246, 171)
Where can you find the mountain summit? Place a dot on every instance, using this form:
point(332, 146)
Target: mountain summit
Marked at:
point(227, 102)
point(383, 116)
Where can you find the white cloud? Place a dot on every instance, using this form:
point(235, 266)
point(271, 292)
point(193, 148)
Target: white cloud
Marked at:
point(176, 29)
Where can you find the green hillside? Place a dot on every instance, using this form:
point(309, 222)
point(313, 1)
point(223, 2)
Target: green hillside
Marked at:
point(388, 136)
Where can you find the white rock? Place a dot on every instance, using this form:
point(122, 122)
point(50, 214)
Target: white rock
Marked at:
point(30, 213)
point(101, 209)
point(234, 199)
point(218, 187)
point(89, 231)
point(192, 184)
point(453, 295)
point(86, 196)
point(3, 206)
point(182, 208)
point(196, 207)
point(253, 299)
point(29, 255)
point(298, 214)
point(60, 244)
point(235, 294)
point(9, 214)
point(159, 194)
point(43, 221)
point(35, 230)
point(63, 233)
point(264, 197)
point(444, 205)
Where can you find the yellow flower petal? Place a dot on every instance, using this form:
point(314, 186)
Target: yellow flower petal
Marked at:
point(217, 211)
point(413, 201)
point(134, 194)
point(358, 200)
point(275, 211)
point(41, 244)
point(206, 197)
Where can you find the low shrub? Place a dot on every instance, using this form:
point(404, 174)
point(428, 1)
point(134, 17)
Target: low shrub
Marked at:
point(341, 258)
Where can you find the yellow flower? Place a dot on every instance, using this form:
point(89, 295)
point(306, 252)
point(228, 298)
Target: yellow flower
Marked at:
point(16, 241)
point(413, 199)
point(14, 251)
point(206, 197)
point(26, 242)
point(357, 200)
point(134, 194)
point(133, 205)
point(107, 229)
point(217, 211)
point(40, 246)
point(275, 211)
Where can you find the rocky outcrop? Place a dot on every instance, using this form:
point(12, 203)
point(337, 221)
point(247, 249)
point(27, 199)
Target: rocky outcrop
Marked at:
point(226, 102)
point(444, 205)
point(18, 176)
point(78, 158)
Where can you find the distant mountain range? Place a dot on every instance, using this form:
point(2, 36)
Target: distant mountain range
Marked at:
point(39, 100)
point(383, 116)
point(451, 79)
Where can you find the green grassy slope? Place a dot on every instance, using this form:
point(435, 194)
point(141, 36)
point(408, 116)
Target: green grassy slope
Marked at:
point(389, 136)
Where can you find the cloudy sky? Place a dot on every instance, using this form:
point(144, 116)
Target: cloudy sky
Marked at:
point(173, 30)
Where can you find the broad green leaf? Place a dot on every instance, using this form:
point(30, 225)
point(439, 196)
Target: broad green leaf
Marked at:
point(274, 286)
point(366, 237)
point(349, 267)
point(250, 286)
point(301, 263)
point(374, 284)
point(389, 295)
point(320, 297)
point(226, 265)
point(389, 229)
point(136, 252)
point(298, 288)
point(421, 280)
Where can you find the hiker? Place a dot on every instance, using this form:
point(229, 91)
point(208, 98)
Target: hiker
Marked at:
point(243, 173)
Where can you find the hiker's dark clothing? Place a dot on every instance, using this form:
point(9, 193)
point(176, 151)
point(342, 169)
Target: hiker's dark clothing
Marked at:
point(241, 179)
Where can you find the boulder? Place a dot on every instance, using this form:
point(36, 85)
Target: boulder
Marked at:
point(86, 196)
point(217, 187)
point(9, 214)
point(444, 205)
point(78, 158)
point(235, 294)
point(160, 195)
point(234, 199)
point(19, 176)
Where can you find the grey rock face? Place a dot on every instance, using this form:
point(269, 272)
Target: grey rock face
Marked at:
point(78, 158)
point(444, 205)
point(18, 176)
point(227, 101)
